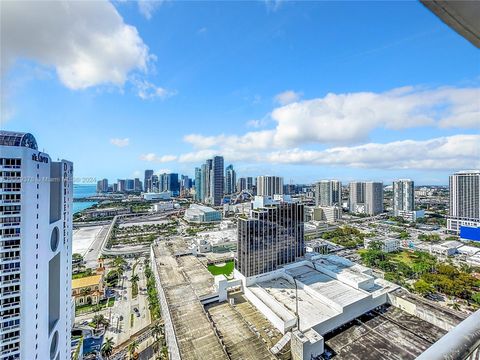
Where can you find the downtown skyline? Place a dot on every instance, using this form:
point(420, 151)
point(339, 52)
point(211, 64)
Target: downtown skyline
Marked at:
point(275, 89)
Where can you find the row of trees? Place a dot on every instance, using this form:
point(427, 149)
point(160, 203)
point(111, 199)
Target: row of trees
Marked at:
point(346, 236)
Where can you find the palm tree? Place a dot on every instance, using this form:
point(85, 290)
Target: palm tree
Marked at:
point(134, 278)
point(107, 347)
point(157, 331)
point(132, 349)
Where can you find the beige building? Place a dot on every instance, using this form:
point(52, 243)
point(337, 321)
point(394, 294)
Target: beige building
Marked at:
point(88, 290)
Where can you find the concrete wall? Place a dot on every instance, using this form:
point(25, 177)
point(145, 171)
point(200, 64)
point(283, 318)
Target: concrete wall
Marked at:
point(170, 337)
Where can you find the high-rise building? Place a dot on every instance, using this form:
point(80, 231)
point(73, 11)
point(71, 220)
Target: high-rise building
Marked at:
point(241, 184)
point(403, 196)
point(154, 184)
point(464, 204)
point(129, 185)
point(198, 185)
point(269, 185)
point(147, 181)
point(250, 183)
point(122, 185)
point(270, 237)
point(328, 193)
point(366, 197)
point(373, 197)
point(216, 181)
point(205, 186)
point(35, 251)
point(137, 184)
point(102, 186)
point(230, 180)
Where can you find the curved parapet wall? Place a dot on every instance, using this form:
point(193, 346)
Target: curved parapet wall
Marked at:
point(462, 343)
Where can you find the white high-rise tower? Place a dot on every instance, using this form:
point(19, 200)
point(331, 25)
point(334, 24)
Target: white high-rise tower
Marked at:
point(464, 209)
point(403, 196)
point(35, 251)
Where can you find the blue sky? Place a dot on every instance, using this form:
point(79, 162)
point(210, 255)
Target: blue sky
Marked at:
point(306, 90)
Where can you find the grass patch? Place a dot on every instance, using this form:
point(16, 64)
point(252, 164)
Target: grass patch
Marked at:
point(226, 270)
point(89, 307)
point(132, 319)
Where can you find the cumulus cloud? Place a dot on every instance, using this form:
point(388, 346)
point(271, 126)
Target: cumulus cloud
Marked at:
point(451, 152)
point(120, 142)
point(152, 157)
point(348, 119)
point(86, 42)
point(287, 97)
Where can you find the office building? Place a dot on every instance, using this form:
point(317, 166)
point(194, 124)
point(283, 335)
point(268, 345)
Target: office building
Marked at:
point(154, 183)
point(270, 237)
point(269, 185)
point(230, 180)
point(35, 251)
point(102, 186)
point(403, 196)
point(366, 197)
point(169, 182)
point(147, 181)
point(464, 204)
point(216, 181)
point(129, 185)
point(328, 193)
point(121, 185)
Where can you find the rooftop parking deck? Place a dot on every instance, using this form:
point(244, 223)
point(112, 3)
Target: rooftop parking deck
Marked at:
point(390, 334)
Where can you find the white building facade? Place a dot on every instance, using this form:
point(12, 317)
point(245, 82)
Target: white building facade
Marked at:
point(36, 197)
point(464, 204)
point(403, 196)
point(269, 185)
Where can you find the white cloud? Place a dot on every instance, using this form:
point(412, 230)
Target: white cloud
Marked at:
point(86, 42)
point(347, 119)
point(163, 171)
point(453, 152)
point(287, 97)
point(120, 142)
point(152, 157)
point(273, 5)
point(148, 7)
point(146, 90)
point(202, 30)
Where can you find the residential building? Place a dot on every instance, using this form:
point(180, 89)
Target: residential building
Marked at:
point(326, 213)
point(102, 186)
point(366, 197)
point(250, 183)
point(197, 213)
point(121, 185)
point(464, 204)
point(271, 236)
point(36, 197)
point(129, 185)
point(198, 185)
point(205, 186)
point(147, 181)
point(216, 181)
point(269, 185)
point(230, 180)
point(403, 196)
point(328, 193)
point(154, 184)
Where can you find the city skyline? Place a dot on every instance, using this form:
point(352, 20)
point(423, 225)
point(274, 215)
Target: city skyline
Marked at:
point(300, 108)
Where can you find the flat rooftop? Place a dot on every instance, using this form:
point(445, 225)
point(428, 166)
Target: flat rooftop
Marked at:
point(184, 279)
point(389, 334)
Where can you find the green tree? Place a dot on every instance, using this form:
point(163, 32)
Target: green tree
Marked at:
point(132, 350)
point(422, 287)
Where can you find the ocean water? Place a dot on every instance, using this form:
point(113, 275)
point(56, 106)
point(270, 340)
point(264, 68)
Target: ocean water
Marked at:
point(80, 191)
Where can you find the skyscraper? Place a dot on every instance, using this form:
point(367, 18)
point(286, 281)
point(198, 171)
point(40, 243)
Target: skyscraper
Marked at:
point(137, 184)
point(403, 196)
point(250, 183)
point(102, 186)
point(35, 251)
point(366, 197)
point(230, 180)
point(216, 181)
point(122, 185)
point(241, 184)
point(205, 184)
point(147, 182)
point(272, 236)
point(269, 185)
point(464, 204)
point(328, 193)
point(198, 185)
